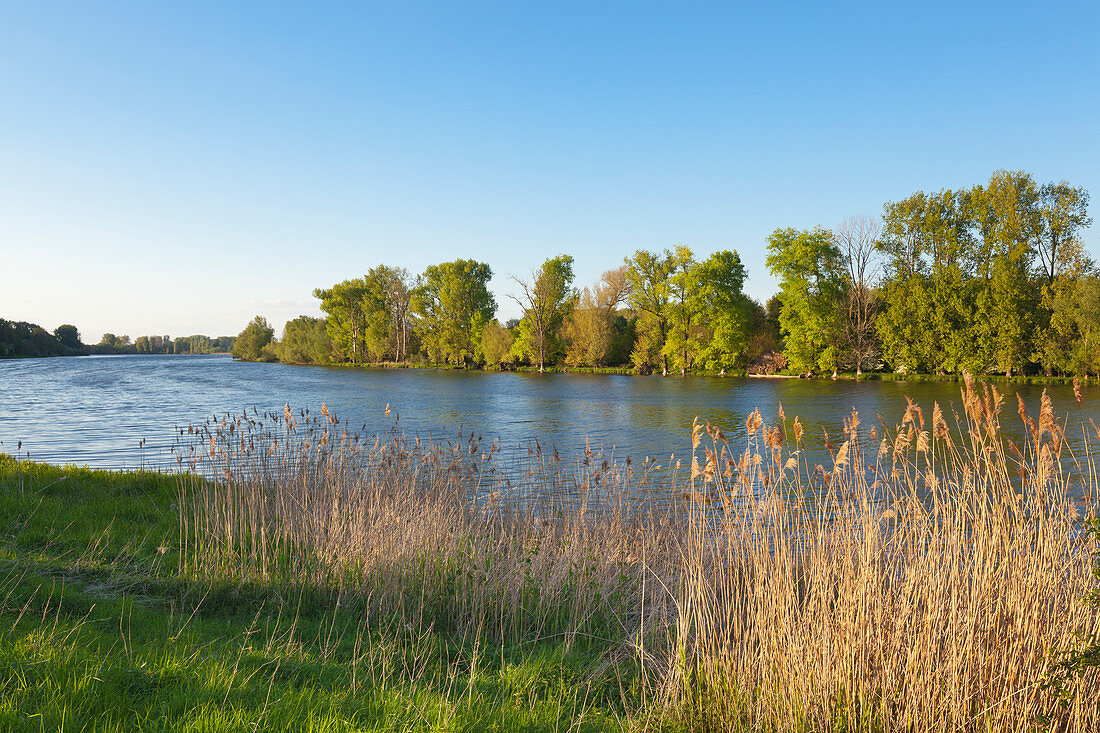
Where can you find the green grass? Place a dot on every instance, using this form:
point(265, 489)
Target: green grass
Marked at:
point(99, 631)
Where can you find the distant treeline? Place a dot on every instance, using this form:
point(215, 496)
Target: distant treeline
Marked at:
point(987, 279)
point(21, 340)
point(112, 344)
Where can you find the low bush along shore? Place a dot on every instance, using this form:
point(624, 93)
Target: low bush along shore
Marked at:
point(935, 577)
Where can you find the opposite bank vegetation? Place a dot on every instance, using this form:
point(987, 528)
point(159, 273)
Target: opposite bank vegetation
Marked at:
point(296, 575)
point(991, 279)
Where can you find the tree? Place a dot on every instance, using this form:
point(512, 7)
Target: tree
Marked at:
point(453, 303)
point(69, 337)
point(682, 341)
point(725, 309)
point(496, 344)
point(249, 344)
point(590, 328)
point(305, 341)
point(1087, 323)
point(857, 238)
point(546, 300)
point(346, 322)
point(1063, 212)
point(1005, 298)
point(809, 267)
point(647, 274)
point(924, 320)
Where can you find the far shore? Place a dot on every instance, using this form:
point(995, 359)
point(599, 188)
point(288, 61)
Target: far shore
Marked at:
point(629, 371)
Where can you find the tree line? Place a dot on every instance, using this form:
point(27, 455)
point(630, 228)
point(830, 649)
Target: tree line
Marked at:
point(988, 279)
point(197, 344)
point(19, 339)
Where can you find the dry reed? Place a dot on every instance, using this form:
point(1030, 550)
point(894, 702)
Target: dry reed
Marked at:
point(925, 579)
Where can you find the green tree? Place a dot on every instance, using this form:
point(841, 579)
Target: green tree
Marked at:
point(1086, 316)
point(250, 343)
point(683, 339)
point(69, 337)
point(590, 328)
point(496, 344)
point(1063, 212)
point(810, 269)
point(453, 303)
point(546, 300)
point(305, 341)
point(725, 309)
point(346, 321)
point(1004, 306)
point(648, 276)
point(924, 320)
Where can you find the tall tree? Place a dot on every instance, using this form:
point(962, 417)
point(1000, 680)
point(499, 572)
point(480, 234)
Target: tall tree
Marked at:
point(683, 341)
point(725, 310)
point(589, 328)
point(857, 238)
point(385, 306)
point(1063, 212)
point(453, 303)
point(346, 321)
point(1005, 297)
point(810, 270)
point(1087, 321)
point(546, 300)
point(648, 275)
point(922, 323)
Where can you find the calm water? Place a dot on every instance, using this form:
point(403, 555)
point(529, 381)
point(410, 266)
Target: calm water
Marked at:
point(96, 410)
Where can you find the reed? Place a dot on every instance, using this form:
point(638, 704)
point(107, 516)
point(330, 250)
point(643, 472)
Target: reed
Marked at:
point(929, 576)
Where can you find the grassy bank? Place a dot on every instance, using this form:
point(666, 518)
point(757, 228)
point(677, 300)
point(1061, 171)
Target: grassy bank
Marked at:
point(100, 630)
point(932, 576)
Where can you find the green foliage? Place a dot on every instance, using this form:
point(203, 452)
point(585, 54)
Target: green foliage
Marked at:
point(305, 341)
point(19, 339)
point(69, 337)
point(453, 304)
point(983, 279)
point(808, 265)
point(648, 274)
point(683, 339)
point(496, 344)
point(725, 311)
point(346, 323)
point(546, 301)
point(254, 343)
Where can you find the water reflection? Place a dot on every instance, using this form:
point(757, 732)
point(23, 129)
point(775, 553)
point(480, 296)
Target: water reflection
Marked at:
point(96, 410)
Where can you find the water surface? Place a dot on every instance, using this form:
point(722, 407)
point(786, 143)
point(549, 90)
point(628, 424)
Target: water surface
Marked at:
point(97, 410)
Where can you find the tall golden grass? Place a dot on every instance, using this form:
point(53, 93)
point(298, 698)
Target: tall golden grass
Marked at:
point(928, 577)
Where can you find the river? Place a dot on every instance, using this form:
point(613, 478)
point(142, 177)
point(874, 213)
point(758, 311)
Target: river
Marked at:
point(97, 411)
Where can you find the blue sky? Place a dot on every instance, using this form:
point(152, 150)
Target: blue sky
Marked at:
point(171, 168)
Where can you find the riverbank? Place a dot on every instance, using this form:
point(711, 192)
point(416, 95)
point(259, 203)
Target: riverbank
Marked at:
point(317, 582)
point(785, 374)
point(99, 628)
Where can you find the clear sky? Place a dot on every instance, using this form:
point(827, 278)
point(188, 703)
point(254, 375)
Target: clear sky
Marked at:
point(177, 168)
